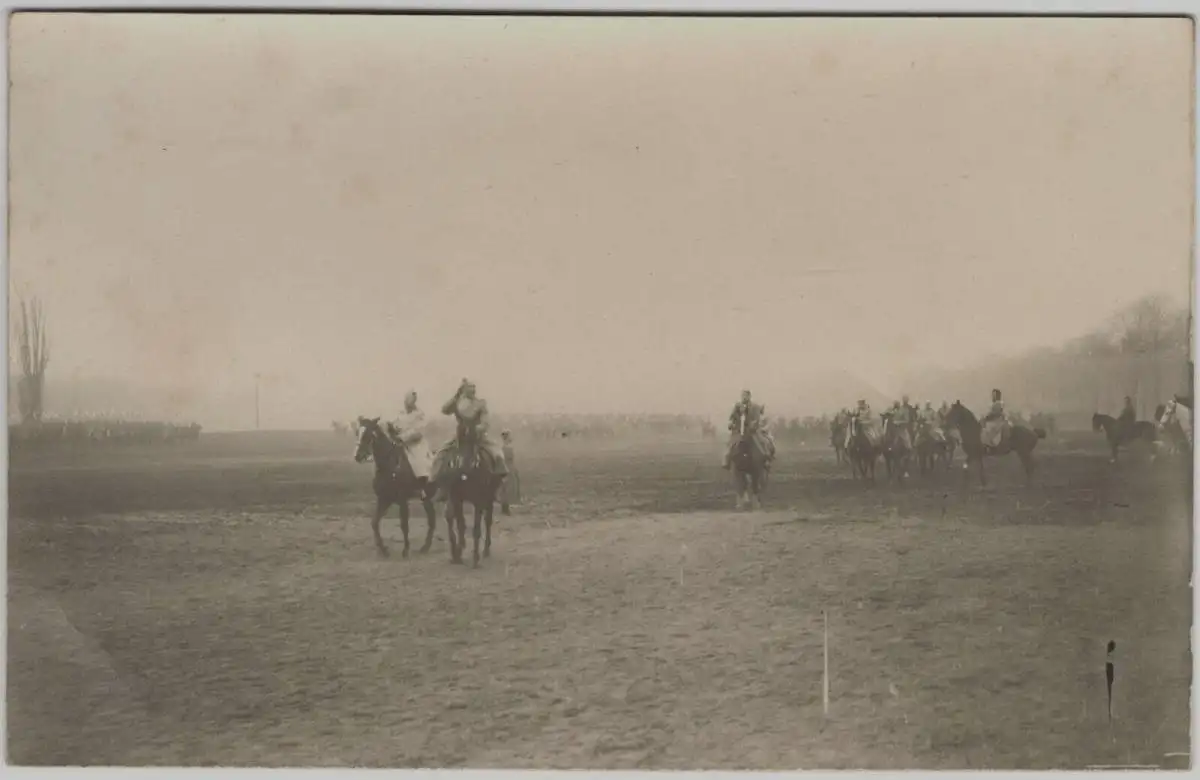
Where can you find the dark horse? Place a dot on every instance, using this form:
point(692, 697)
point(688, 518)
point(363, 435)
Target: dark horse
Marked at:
point(394, 482)
point(1119, 433)
point(749, 471)
point(897, 447)
point(861, 451)
point(1021, 440)
point(469, 476)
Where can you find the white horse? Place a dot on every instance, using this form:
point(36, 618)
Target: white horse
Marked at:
point(1176, 421)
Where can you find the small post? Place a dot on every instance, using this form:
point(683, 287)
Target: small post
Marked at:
point(825, 674)
point(1109, 674)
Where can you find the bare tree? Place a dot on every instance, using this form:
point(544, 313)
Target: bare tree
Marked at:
point(1152, 324)
point(34, 354)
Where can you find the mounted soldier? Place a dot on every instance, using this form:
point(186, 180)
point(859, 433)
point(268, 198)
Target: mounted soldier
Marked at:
point(865, 420)
point(904, 414)
point(409, 430)
point(749, 418)
point(996, 424)
point(471, 414)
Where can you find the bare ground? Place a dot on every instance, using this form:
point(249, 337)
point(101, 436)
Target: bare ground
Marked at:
point(221, 604)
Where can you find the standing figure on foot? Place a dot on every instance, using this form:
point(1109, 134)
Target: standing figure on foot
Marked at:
point(748, 417)
point(995, 424)
point(510, 491)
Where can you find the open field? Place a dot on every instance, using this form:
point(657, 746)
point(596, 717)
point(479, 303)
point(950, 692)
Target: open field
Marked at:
point(221, 603)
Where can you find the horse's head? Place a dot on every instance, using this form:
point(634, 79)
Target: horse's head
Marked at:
point(370, 439)
point(1097, 421)
point(1170, 415)
point(743, 454)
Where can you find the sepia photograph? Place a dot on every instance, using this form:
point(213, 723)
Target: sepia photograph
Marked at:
point(609, 392)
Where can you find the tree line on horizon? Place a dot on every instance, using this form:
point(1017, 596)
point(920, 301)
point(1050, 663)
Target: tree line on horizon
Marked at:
point(1141, 351)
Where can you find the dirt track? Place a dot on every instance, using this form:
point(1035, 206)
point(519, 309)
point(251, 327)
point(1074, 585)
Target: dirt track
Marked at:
point(221, 603)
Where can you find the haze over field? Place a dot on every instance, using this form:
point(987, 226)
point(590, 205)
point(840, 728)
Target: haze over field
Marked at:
point(580, 214)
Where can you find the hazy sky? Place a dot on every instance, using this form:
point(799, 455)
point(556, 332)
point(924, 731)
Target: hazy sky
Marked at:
point(585, 213)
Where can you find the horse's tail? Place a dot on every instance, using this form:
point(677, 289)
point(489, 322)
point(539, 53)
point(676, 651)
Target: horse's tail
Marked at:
point(1039, 432)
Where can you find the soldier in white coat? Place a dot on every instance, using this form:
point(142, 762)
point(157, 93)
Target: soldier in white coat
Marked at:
point(410, 431)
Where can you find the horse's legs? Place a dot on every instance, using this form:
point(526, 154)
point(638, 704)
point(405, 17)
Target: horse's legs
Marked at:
point(478, 533)
point(381, 507)
point(450, 531)
point(461, 523)
point(1027, 462)
point(487, 540)
point(431, 516)
point(404, 525)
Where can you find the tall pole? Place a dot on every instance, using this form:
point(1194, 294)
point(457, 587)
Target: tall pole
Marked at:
point(256, 406)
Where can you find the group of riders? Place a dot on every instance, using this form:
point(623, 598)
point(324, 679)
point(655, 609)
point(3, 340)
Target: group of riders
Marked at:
point(747, 422)
point(471, 415)
point(908, 418)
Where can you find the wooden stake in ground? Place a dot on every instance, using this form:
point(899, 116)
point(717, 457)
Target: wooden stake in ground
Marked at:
point(825, 675)
point(1109, 674)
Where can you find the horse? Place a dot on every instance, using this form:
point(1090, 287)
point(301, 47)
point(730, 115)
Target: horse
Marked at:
point(953, 442)
point(468, 476)
point(861, 450)
point(1119, 433)
point(1020, 440)
point(897, 447)
point(931, 445)
point(1175, 422)
point(394, 483)
point(749, 464)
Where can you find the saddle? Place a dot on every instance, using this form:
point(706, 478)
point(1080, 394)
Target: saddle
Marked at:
point(995, 433)
point(468, 453)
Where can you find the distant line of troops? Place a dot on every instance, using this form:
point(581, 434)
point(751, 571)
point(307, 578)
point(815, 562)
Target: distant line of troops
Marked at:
point(101, 430)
